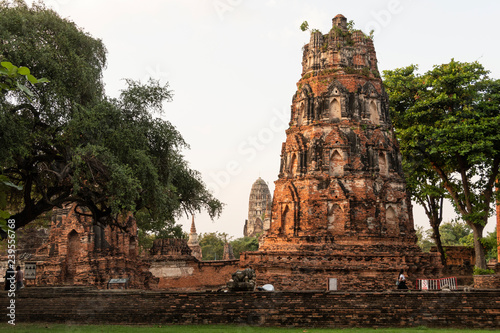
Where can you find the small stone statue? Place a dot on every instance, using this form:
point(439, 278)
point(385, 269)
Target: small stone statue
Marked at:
point(242, 280)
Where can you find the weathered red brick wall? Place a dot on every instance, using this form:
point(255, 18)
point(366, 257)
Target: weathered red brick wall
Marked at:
point(487, 281)
point(460, 262)
point(187, 273)
point(173, 267)
point(480, 310)
point(458, 255)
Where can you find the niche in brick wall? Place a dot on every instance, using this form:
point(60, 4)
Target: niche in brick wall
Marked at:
point(72, 255)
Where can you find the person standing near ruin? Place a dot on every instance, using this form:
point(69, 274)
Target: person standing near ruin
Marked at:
point(19, 278)
point(402, 280)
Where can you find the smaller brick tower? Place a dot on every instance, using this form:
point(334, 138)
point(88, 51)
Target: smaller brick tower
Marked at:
point(259, 209)
point(82, 252)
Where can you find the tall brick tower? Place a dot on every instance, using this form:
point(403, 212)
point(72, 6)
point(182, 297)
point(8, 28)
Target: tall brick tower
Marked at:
point(340, 207)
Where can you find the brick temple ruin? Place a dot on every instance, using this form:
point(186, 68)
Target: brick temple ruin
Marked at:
point(77, 251)
point(341, 215)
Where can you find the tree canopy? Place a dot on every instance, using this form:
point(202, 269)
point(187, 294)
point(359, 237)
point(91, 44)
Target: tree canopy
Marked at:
point(212, 245)
point(13, 78)
point(456, 233)
point(71, 143)
point(447, 120)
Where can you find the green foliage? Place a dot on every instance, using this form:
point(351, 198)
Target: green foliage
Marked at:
point(244, 244)
point(145, 241)
point(5, 186)
point(455, 233)
point(212, 245)
point(482, 271)
point(350, 26)
point(12, 77)
point(491, 245)
point(54, 48)
point(366, 71)
point(69, 142)
point(447, 123)
point(304, 26)
point(423, 240)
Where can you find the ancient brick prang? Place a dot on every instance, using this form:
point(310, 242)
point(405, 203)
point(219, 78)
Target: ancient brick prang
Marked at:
point(259, 209)
point(81, 252)
point(341, 191)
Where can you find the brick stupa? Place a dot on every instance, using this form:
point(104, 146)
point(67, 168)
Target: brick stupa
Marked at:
point(340, 212)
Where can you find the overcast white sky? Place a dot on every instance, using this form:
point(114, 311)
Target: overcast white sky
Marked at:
point(233, 66)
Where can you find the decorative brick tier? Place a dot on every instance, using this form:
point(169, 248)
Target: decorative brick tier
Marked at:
point(355, 267)
point(478, 310)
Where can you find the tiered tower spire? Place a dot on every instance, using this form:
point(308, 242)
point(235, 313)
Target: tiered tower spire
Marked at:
point(340, 208)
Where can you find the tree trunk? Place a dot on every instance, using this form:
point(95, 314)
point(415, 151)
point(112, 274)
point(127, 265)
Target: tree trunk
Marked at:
point(478, 246)
point(434, 210)
point(437, 240)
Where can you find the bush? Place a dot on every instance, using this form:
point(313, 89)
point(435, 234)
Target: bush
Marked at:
point(481, 271)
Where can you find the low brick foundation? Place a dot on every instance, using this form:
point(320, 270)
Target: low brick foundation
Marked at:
point(487, 281)
point(477, 309)
point(191, 274)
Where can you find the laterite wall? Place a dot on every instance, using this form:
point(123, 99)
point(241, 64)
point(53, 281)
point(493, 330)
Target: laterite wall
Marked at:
point(478, 309)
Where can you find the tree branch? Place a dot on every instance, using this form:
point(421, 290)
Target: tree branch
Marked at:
point(465, 181)
point(449, 187)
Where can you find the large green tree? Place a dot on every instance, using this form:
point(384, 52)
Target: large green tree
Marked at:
point(70, 143)
point(448, 118)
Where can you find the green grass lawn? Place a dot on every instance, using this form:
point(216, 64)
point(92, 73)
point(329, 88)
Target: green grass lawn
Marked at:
point(35, 328)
